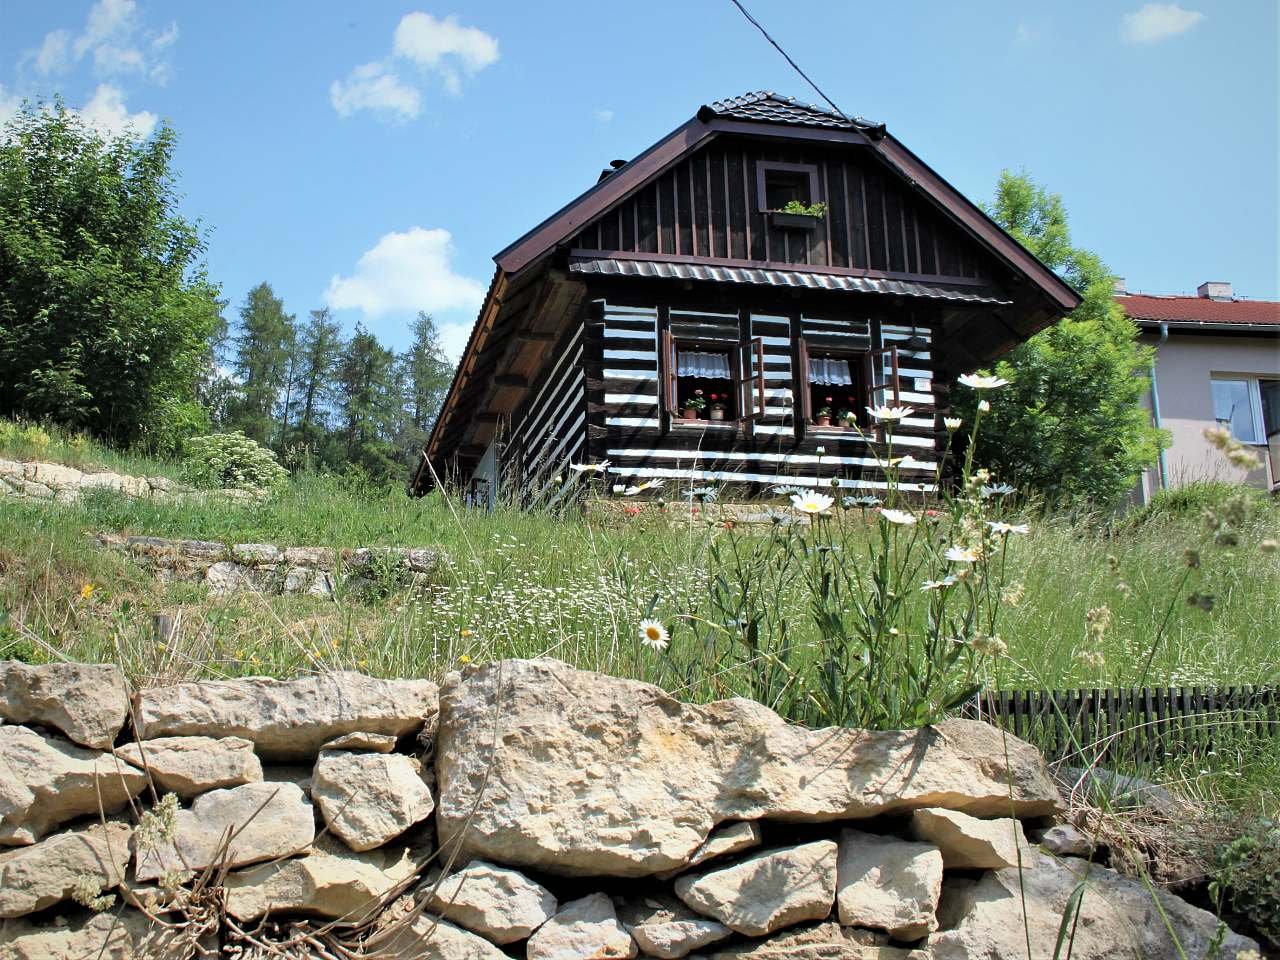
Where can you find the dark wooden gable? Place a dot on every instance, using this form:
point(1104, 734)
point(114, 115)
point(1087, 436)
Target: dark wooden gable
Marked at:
point(706, 207)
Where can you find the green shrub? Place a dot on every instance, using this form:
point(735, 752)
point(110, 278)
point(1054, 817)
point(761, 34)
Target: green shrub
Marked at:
point(23, 439)
point(231, 461)
point(1247, 877)
point(1193, 499)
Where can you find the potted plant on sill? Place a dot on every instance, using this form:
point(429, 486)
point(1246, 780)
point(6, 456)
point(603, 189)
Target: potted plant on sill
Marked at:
point(823, 417)
point(694, 406)
point(717, 409)
point(798, 216)
point(846, 419)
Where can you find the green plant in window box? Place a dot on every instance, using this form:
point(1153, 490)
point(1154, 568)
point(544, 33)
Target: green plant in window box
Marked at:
point(818, 210)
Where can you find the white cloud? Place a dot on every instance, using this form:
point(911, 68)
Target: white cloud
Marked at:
point(407, 271)
point(52, 55)
point(108, 20)
point(376, 88)
point(604, 116)
point(444, 46)
point(454, 337)
point(1157, 21)
point(106, 112)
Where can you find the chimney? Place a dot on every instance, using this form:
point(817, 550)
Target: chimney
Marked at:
point(1214, 290)
point(613, 166)
point(1120, 289)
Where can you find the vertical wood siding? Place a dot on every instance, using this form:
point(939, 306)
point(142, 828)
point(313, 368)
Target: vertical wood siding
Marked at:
point(707, 207)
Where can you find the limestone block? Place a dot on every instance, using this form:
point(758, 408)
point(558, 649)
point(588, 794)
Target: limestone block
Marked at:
point(87, 702)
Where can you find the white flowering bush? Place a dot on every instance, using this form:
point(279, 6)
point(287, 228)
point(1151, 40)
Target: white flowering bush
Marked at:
point(231, 461)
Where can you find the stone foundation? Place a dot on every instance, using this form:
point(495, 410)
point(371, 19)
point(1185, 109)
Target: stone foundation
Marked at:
point(55, 482)
point(526, 809)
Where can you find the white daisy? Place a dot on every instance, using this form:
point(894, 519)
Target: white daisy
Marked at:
point(899, 517)
point(997, 490)
point(1000, 528)
point(642, 487)
point(982, 383)
point(962, 554)
point(811, 503)
point(952, 423)
point(950, 580)
point(890, 414)
point(601, 467)
point(654, 635)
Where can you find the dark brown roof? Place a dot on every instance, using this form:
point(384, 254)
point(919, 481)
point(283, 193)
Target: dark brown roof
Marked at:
point(813, 280)
point(765, 106)
point(1199, 310)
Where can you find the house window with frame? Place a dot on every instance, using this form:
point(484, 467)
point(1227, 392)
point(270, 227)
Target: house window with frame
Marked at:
point(709, 382)
point(1248, 406)
point(836, 385)
point(778, 184)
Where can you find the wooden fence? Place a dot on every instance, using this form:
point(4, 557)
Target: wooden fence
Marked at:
point(1143, 724)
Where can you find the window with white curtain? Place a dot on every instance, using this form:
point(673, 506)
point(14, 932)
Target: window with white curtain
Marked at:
point(830, 372)
point(703, 365)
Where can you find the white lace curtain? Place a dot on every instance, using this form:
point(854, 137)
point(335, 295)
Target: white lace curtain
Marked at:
point(827, 372)
point(708, 366)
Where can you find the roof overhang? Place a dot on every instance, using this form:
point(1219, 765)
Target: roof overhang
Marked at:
point(1207, 326)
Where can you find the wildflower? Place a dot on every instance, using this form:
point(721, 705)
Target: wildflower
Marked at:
point(991, 646)
point(1220, 437)
point(812, 503)
point(87, 591)
point(778, 519)
point(1092, 658)
point(785, 491)
point(466, 633)
point(893, 631)
point(1268, 545)
point(1098, 620)
point(463, 658)
point(1002, 529)
point(867, 502)
point(1242, 458)
point(963, 554)
point(1113, 563)
point(653, 635)
point(948, 581)
point(642, 487)
point(1012, 594)
point(982, 383)
point(1124, 590)
point(820, 451)
point(899, 517)
point(633, 509)
point(890, 414)
point(1191, 558)
point(601, 467)
point(952, 423)
point(984, 406)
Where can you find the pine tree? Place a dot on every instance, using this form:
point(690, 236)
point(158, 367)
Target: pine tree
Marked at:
point(369, 404)
point(426, 376)
point(263, 347)
point(318, 345)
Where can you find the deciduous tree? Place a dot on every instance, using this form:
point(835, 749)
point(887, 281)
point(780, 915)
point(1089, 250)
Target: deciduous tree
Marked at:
point(1070, 424)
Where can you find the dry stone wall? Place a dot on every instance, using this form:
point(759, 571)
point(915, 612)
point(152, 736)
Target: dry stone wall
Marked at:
point(56, 482)
point(227, 568)
point(526, 809)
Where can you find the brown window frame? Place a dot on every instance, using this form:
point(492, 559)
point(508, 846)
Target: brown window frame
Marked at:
point(762, 171)
point(744, 383)
point(868, 385)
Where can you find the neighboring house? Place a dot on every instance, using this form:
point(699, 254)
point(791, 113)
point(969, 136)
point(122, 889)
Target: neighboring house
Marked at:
point(1217, 362)
point(680, 277)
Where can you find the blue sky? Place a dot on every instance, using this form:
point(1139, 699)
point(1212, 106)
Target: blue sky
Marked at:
point(374, 156)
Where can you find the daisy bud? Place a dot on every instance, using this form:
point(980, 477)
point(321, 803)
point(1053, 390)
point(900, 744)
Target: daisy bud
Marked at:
point(984, 406)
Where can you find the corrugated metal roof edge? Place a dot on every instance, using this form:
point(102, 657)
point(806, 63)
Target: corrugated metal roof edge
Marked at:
point(776, 278)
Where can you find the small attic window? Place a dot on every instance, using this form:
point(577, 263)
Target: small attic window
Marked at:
point(781, 183)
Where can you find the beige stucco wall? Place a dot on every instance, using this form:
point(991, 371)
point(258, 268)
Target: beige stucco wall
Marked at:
point(1184, 366)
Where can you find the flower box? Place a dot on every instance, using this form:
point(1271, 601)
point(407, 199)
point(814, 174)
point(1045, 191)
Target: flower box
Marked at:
point(794, 221)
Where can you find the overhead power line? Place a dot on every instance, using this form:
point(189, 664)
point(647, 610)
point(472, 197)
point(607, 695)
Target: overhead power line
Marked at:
point(786, 56)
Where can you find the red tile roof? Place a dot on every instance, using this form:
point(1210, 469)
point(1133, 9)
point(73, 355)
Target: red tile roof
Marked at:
point(1199, 309)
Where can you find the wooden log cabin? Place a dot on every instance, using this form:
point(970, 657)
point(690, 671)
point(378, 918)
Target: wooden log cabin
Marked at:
point(679, 280)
